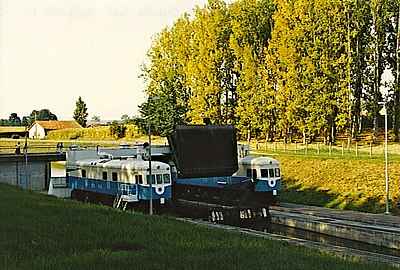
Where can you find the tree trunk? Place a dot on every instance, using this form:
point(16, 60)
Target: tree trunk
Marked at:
point(357, 89)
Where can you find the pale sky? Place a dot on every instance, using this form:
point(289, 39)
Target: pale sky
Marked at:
point(53, 51)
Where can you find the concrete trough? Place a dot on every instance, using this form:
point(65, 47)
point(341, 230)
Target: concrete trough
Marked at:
point(375, 234)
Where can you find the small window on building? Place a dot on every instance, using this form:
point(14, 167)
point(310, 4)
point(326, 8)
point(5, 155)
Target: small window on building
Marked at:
point(277, 172)
point(271, 173)
point(114, 176)
point(264, 172)
point(159, 178)
point(84, 173)
point(167, 178)
point(104, 175)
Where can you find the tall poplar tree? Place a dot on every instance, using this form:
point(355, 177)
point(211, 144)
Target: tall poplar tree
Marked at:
point(80, 113)
point(251, 23)
point(166, 77)
point(394, 62)
point(208, 65)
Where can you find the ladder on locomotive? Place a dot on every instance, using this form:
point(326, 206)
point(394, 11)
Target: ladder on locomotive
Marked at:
point(127, 194)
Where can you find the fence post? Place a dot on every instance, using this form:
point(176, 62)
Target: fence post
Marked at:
point(306, 148)
point(330, 148)
point(295, 147)
point(370, 149)
point(356, 149)
point(342, 148)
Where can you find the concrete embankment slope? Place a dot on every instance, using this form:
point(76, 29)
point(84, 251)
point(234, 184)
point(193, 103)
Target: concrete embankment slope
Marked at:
point(376, 229)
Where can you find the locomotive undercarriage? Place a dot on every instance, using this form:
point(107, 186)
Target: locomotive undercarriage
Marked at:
point(229, 206)
point(225, 196)
point(115, 202)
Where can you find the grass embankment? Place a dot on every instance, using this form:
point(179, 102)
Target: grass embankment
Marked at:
point(42, 232)
point(340, 182)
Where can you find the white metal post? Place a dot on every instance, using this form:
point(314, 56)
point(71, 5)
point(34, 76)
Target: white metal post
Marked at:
point(150, 173)
point(386, 159)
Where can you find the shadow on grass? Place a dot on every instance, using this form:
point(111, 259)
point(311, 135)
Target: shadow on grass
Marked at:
point(324, 198)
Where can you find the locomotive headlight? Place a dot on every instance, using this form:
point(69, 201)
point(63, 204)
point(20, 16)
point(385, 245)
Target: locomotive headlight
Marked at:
point(272, 183)
point(159, 190)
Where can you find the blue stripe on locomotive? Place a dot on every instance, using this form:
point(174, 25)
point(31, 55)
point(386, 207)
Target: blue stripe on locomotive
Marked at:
point(221, 181)
point(117, 188)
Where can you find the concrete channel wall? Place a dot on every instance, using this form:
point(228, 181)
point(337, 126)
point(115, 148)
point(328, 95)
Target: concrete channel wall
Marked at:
point(15, 174)
point(32, 171)
point(376, 229)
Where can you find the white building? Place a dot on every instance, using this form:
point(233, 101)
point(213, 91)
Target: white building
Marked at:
point(39, 129)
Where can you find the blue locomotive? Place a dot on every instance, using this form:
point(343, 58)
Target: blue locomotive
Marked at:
point(118, 177)
point(199, 168)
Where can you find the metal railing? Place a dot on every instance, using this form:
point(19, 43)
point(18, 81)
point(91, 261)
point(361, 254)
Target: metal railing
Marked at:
point(328, 149)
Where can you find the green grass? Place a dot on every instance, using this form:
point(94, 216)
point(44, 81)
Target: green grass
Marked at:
point(42, 232)
point(340, 182)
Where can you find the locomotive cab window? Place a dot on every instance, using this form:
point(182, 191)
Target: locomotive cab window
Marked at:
point(271, 173)
point(153, 179)
point(83, 173)
point(248, 172)
point(159, 178)
point(251, 173)
point(167, 178)
point(114, 176)
point(264, 172)
point(104, 175)
point(139, 179)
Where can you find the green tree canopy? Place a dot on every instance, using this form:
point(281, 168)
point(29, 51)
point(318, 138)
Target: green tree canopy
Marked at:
point(80, 113)
point(287, 68)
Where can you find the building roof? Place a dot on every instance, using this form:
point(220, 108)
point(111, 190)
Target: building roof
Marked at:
point(57, 124)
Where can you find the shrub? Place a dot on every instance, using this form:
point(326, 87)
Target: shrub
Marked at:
point(118, 130)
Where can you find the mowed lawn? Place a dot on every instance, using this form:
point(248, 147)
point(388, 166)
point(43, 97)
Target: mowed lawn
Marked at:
point(340, 182)
point(43, 232)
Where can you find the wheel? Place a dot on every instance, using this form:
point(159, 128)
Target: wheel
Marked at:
point(213, 216)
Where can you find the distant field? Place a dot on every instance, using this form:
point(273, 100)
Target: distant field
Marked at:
point(97, 133)
point(12, 129)
point(42, 232)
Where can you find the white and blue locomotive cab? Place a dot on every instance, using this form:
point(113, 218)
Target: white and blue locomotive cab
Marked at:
point(263, 171)
point(126, 177)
